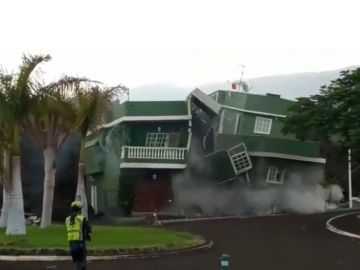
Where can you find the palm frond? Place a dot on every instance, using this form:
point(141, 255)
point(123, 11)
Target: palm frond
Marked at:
point(20, 86)
point(50, 120)
point(29, 64)
point(6, 81)
point(91, 107)
point(5, 110)
point(67, 87)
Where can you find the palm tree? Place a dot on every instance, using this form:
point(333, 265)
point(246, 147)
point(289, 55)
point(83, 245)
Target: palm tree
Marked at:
point(91, 107)
point(49, 123)
point(16, 92)
point(5, 141)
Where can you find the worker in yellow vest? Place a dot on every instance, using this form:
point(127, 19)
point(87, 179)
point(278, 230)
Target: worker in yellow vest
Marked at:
point(78, 232)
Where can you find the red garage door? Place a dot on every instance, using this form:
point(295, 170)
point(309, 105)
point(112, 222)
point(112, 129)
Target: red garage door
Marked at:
point(151, 195)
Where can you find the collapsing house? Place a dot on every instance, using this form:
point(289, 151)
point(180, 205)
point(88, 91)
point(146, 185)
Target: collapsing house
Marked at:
point(248, 129)
point(235, 136)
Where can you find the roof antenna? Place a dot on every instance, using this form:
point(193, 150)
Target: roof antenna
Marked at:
point(242, 74)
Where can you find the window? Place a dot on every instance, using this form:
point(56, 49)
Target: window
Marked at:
point(240, 159)
point(221, 124)
point(274, 176)
point(237, 124)
point(262, 125)
point(94, 197)
point(157, 140)
point(162, 139)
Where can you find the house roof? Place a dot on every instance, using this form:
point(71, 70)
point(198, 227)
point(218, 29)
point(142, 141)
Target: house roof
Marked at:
point(270, 103)
point(149, 108)
point(204, 101)
point(147, 111)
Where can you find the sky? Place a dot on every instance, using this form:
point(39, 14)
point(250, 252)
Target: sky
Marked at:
point(181, 42)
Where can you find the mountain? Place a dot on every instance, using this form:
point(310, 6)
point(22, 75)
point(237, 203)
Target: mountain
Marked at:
point(295, 85)
point(289, 86)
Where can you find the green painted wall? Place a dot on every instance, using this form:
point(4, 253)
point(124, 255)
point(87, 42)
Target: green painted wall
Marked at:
point(107, 182)
point(276, 141)
point(147, 108)
point(161, 108)
point(263, 103)
point(268, 104)
point(232, 98)
point(93, 159)
point(248, 125)
point(106, 179)
point(269, 144)
point(138, 131)
point(291, 147)
point(297, 172)
point(229, 121)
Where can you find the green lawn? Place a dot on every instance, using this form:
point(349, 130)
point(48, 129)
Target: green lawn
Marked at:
point(103, 237)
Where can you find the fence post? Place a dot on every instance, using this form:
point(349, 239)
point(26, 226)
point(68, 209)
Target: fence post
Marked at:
point(156, 220)
point(224, 262)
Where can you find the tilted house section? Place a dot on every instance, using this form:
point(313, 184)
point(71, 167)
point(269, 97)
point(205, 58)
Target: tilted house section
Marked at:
point(257, 121)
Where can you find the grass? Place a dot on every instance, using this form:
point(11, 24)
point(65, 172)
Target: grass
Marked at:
point(103, 238)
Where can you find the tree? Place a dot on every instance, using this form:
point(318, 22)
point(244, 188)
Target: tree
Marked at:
point(334, 113)
point(49, 122)
point(5, 179)
point(91, 107)
point(16, 92)
point(332, 116)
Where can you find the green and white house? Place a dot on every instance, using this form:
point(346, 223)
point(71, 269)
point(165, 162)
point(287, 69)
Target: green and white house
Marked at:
point(238, 135)
point(150, 140)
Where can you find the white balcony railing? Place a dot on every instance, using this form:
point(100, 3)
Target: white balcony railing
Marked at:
point(142, 152)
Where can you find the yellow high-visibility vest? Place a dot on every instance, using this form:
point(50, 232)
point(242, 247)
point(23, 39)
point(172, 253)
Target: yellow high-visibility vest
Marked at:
point(75, 230)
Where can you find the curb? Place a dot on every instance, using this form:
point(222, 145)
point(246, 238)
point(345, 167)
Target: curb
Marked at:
point(185, 220)
point(24, 258)
point(333, 229)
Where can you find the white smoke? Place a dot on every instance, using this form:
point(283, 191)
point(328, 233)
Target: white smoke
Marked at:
point(194, 194)
point(334, 193)
point(304, 201)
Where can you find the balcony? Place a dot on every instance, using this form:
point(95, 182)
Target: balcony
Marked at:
point(153, 157)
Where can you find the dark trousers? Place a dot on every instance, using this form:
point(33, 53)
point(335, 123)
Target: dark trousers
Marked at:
point(78, 254)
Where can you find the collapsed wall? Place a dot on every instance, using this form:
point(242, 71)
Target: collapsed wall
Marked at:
point(196, 193)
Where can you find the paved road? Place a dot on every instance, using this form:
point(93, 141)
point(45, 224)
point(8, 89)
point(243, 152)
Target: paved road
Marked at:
point(266, 243)
point(349, 223)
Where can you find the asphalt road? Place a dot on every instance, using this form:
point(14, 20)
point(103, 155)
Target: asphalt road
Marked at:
point(298, 242)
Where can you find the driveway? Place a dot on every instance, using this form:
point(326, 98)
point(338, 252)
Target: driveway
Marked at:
point(296, 242)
